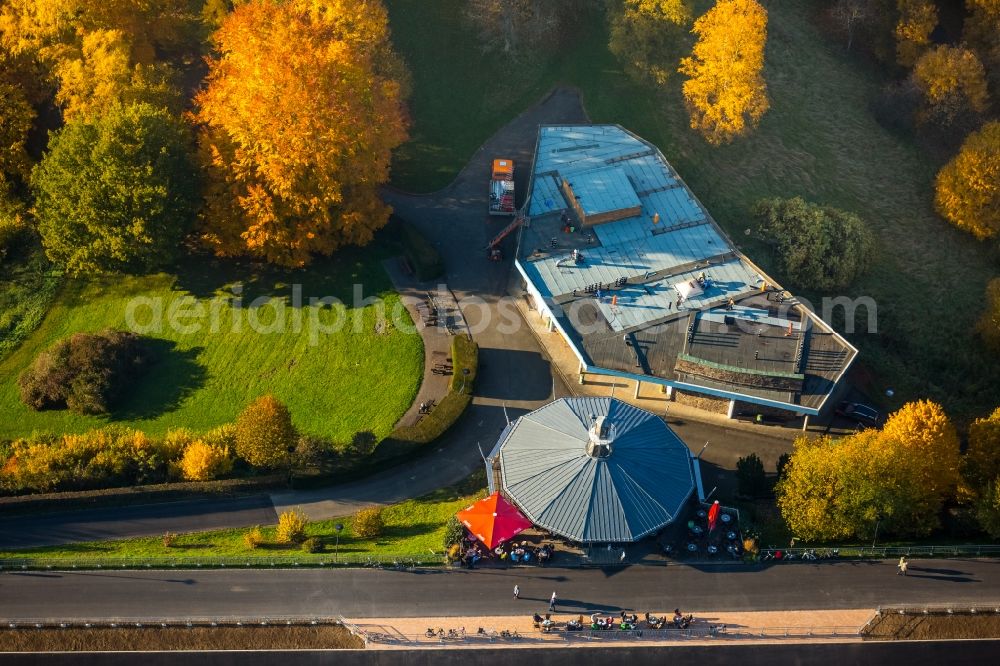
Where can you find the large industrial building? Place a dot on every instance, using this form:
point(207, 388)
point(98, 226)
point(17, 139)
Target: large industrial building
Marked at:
point(628, 266)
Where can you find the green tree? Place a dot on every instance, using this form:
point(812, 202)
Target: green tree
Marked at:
point(646, 36)
point(750, 476)
point(115, 192)
point(988, 508)
point(819, 247)
point(265, 434)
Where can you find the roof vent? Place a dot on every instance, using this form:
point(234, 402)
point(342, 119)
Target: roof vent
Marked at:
point(602, 436)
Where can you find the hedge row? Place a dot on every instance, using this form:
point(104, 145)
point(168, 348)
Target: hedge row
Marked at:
point(130, 495)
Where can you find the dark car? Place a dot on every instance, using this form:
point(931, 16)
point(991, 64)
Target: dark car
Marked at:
point(863, 414)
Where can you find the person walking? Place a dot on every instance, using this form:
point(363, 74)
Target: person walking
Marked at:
point(552, 602)
point(517, 592)
point(902, 566)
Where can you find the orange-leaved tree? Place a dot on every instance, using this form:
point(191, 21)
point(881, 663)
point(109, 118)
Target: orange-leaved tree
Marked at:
point(725, 92)
point(264, 433)
point(917, 19)
point(953, 83)
point(967, 190)
point(303, 107)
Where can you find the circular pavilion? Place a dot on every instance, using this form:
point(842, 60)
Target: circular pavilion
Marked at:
point(593, 470)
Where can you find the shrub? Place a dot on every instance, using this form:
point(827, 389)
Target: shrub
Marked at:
point(204, 462)
point(454, 531)
point(368, 523)
point(454, 552)
point(85, 372)
point(819, 247)
point(97, 458)
point(253, 538)
point(291, 527)
point(750, 476)
point(312, 545)
point(264, 433)
point(782, 463)
point(169, 539)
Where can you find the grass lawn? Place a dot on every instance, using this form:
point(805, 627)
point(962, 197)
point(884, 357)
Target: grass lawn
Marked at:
point(360, 378)
point(819, 140)
point(413, 528)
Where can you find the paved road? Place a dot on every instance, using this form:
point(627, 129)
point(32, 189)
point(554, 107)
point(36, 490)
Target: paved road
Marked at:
point(368, 593)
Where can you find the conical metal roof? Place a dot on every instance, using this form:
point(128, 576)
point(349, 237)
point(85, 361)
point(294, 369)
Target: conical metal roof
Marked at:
point(635, 490)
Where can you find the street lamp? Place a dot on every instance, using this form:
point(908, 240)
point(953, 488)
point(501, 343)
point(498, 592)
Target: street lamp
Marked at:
point(465, 374)
point(336, 554)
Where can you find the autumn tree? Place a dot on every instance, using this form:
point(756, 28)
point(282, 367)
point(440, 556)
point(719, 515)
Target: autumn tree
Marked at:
point(100, 73)
point(967, 191)
point(725, 92)
point(48, 27)
point(981, 464)
point(303, 107)
point(953, 84)
point(645, 35)
point(264, 433)
point(989, 321)
point(924, 437)
point(981, 30)
point(116, 191)
point(898, 477)
point(917, 20)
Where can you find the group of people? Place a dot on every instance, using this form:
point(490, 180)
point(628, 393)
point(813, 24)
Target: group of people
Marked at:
point(524, 553)
point(625, 622)
point(519, 553)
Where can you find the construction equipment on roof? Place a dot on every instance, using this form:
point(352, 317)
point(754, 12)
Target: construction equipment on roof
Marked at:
point(493, 247)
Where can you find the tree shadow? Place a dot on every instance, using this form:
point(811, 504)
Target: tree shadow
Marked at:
point(171, 376)
point(243, 281)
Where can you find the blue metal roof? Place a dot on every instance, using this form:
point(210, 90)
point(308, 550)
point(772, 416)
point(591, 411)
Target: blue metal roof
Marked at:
point(603, 190)
point(636, 490)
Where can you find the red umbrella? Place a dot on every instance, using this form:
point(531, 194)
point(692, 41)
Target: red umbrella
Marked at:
point(713, 515)
point(493, 520)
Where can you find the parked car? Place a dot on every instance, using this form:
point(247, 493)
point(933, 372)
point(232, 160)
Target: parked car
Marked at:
point(860, 413)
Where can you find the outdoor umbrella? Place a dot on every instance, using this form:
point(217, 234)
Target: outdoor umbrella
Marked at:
point(493, 520)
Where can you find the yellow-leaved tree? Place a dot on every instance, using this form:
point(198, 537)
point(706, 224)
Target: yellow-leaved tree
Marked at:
point(898, 478)
point(953, 83)
point(645, 35)
point(917, 20)
point(982, 458)
point(924, 437)
point(982, 32)
point(725, 92)
point(303, 107)
point(967, 191)
point(100, 72)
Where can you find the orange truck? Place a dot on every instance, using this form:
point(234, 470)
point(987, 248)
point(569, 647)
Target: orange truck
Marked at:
point(502, 187)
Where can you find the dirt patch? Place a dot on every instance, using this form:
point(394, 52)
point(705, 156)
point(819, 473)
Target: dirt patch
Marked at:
point(893, 626)
point(79, 639)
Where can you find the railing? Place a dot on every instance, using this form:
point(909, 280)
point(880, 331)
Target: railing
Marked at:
point(879, 552)
point(401, 563)
point(173, 622)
